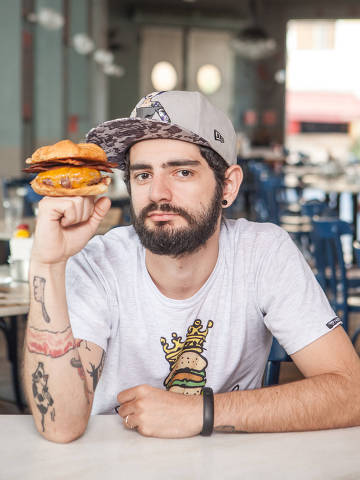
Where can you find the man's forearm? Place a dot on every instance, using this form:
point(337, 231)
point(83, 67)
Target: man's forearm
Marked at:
point(56, 391)
point(321, 402)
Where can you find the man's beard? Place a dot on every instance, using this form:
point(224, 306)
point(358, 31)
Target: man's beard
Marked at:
point(165, 240)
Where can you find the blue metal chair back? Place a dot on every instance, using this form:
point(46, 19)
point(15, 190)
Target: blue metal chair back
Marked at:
point(329, 262)
point(315, 207)
point(356, 250)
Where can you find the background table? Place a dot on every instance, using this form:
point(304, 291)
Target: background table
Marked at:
point(14, 306)
point(109, 451)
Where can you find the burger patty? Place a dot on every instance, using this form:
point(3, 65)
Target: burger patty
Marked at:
point(66, 182)
point(71, 177)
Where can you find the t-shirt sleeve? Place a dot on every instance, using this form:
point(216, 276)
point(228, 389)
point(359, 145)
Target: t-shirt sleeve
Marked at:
point(88, 301)
point(295, 308)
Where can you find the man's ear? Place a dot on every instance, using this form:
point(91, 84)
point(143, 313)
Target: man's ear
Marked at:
point(233, 179)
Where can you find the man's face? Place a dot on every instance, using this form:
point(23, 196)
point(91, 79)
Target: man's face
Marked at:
point(175, 202)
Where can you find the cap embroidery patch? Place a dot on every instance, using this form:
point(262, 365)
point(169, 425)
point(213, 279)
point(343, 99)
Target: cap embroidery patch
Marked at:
point(218, 137)
point(150, 107)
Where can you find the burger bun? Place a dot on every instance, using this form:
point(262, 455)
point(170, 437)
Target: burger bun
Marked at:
point(67, 149)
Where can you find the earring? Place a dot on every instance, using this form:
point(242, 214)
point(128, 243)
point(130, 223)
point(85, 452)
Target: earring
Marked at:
point(224, 202)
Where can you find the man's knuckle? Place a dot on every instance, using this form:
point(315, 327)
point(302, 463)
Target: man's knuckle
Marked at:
point(139, 405)
point(142, 389)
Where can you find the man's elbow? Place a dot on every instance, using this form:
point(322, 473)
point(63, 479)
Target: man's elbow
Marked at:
point(62, 437)
point(64, 433)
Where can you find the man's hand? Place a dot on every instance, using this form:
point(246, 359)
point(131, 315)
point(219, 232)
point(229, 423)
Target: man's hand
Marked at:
point(65, 225)
point(158, 413)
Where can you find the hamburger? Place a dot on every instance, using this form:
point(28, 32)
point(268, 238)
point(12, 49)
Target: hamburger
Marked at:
point(69, 169)
point(188, 375)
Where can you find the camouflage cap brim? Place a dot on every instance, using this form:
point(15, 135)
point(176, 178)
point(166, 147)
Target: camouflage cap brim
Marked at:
point(117, 136)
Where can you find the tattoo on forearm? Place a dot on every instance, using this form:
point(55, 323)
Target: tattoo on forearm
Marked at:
point(227, 429)
point(76, 363)
point(95, 372)
point(39, 287)
point(43, 399)
point(52, 344)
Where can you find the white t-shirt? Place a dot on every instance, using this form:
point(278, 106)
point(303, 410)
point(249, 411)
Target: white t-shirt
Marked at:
point(221, 336)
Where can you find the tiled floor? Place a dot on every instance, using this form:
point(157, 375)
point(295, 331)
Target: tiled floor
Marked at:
point(288, 371)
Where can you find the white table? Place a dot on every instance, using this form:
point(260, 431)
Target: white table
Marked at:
point(109, 451)
point(14, 299)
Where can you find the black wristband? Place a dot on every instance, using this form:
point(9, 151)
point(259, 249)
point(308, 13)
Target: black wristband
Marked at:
point(208, 416)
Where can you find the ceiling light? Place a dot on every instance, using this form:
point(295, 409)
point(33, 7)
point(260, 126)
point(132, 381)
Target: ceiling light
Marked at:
point(208, 79)
point(164, 76)
point(82, 43)
point(48, 18)
point(104, 57)
point(114, 70)
point(253, 42)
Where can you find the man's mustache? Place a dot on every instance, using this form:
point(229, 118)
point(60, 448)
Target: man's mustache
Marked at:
point(166, 207)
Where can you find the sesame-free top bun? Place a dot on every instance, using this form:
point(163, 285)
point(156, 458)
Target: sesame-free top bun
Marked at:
point(68, 149)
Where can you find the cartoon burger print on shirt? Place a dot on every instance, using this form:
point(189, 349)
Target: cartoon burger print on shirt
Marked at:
point(187, 364)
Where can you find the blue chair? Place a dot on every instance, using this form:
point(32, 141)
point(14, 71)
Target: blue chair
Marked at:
point(315, 207)
point(283, 210)
point(272, 370)
point(330, 266)
point(356, 249)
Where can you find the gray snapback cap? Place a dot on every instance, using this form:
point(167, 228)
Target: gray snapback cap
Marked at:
point(177, 115)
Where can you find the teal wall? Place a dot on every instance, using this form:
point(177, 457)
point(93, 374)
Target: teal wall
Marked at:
point(10, 87)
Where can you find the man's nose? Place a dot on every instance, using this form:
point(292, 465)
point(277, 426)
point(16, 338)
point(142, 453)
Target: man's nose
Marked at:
point(160, 190)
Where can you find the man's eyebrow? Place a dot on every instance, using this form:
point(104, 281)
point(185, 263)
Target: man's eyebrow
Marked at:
point(141, 166)
point(170, 163)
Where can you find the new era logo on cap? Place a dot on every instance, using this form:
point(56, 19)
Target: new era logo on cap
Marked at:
point(218, 137)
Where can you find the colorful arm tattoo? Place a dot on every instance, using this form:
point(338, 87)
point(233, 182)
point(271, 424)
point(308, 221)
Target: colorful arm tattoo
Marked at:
point(51, 344)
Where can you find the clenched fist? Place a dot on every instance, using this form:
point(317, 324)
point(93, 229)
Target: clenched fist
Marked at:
point(159, 413)
point(65, 225)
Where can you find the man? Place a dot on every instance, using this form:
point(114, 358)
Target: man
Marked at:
point(159, 315)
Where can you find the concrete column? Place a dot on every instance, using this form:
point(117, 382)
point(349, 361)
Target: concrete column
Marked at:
point(78, 75)
point(49, 101)
point(98, 80)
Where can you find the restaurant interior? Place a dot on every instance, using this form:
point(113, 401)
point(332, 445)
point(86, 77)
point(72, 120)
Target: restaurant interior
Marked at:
point(285, 71)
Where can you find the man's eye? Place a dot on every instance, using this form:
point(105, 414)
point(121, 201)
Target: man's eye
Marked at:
point(142, 176)
point(184, 173)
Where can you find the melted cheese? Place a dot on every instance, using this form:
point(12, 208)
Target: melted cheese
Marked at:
point(78, 176)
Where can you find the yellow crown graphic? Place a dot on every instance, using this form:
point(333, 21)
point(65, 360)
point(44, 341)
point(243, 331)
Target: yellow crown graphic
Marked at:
point(195, 339)
point(171, 354)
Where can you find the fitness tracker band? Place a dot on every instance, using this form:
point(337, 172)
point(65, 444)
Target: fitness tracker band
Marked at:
point(208, 415)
